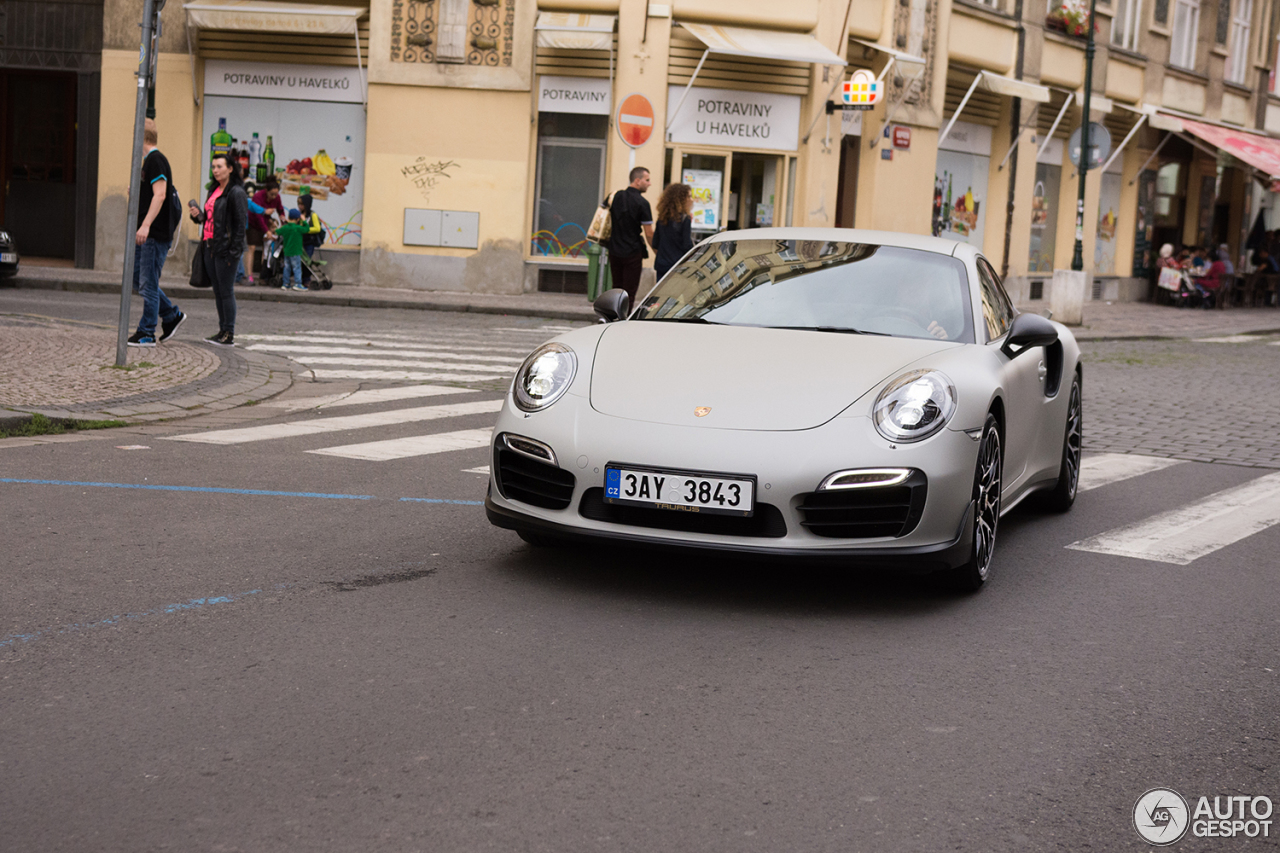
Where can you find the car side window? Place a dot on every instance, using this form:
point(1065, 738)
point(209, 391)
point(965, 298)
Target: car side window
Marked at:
point(997, 309)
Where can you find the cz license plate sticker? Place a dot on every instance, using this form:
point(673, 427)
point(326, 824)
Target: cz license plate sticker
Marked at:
point(682, 491)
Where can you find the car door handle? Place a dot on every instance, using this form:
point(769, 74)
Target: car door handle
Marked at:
point(1042, 371)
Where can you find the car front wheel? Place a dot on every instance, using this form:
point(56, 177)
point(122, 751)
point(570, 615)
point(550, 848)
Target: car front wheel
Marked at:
point(1063, 494)
point(987, 482)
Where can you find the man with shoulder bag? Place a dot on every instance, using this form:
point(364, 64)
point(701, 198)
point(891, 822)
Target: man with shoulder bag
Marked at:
point(157, 223)
point(631, 221)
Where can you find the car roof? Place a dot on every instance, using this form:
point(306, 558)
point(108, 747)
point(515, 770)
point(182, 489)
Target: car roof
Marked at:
point(938, 245)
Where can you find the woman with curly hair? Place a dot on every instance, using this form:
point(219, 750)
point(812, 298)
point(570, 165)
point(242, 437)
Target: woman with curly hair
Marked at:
point(673, 235)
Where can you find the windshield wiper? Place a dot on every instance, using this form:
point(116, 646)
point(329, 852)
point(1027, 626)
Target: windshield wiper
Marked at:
point(846, 330)
point(684, 320)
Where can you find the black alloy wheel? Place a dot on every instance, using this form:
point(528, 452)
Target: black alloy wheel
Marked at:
point(1064, 491)
point(988, 479)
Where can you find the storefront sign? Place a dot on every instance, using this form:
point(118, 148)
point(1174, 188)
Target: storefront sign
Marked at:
point(901, 136)
point(332, 83)
point(861, 91)
point(850, 123)
point(733, 119)
point(704, 185)
point(583, 95)
point(969, 138)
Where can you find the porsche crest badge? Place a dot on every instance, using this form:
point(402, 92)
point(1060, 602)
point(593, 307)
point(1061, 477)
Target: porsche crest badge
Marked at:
point(702, 411)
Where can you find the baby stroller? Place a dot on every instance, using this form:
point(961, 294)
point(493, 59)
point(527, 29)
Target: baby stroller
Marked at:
point(1178, 289)
point(273, 272)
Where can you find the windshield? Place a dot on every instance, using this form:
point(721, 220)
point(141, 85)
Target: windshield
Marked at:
point(820, 285)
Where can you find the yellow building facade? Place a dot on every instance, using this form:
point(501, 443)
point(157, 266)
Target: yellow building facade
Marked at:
point(464, 144)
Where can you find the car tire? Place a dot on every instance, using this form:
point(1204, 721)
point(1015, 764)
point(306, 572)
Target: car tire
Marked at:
point(538, 540)
point(1063, 494)
point(988, 478)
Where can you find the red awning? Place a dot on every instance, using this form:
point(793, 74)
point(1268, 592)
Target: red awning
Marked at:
point(1261, 152)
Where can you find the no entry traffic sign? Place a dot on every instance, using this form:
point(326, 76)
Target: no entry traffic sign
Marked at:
point(635, 120)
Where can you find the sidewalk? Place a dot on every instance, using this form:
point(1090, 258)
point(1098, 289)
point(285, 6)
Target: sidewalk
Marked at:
point(1102, 320)
point(555, 306)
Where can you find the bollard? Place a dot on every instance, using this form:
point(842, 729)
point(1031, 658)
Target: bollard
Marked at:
point(599, 279)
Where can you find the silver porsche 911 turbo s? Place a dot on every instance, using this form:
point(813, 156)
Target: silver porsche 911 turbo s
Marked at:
point(858, 396)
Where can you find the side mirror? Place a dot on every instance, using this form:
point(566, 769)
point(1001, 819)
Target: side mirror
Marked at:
point(1028, 331)
point(612, 305)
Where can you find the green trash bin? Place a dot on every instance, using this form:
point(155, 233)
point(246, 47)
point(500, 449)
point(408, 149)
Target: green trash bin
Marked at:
point(599, 278)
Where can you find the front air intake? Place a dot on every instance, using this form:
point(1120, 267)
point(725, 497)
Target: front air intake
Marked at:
point(522, 478)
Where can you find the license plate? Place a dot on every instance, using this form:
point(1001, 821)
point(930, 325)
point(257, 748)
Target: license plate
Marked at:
point(682, 491)
point(8, 257)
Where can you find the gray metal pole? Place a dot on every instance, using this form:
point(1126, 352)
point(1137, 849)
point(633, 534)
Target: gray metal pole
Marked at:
point(1077, 258)
point(135, 180)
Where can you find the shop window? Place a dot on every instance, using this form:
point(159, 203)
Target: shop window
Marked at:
point(1044, 217)
point(1168, 197)
point(1186, 29)
point(570, 181)
point(1238, 51)
point(1275, 63)
point(1126, 24)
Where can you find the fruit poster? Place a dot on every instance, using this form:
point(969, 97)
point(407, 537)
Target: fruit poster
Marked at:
point(1044, 218)
point(318, 146)
point(959, 196)
point(1104, 247)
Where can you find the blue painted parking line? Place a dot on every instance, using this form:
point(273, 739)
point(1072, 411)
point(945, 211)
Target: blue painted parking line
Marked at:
point(442, 501)
point(180, 607)
point(222, 491)
point(211, 489)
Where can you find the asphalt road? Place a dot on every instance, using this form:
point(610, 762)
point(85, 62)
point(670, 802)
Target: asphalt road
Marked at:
point(342, 669)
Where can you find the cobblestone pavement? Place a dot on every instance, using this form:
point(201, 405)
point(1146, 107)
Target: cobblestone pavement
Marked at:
point(77, 364)
point(67, 369)
point(1185, 399)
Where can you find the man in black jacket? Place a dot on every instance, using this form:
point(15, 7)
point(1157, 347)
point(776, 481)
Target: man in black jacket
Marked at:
point(154, 236)
point(630, 214)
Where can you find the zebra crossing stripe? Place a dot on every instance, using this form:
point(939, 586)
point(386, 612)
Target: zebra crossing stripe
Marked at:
point(416, 445)
point(403, 375)
point(374, 395)
point(365, 352)
point(280, 343)
point(1106, 468)
point(293, 429)
point(1188, 533)
point(404, 362)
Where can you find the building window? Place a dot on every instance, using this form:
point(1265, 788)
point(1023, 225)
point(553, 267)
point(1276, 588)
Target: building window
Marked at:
point(1238, 52)
point(570, 182)
point(1186, 29)
point(1224, 22)
point(1161, 13)
point(1125, 24)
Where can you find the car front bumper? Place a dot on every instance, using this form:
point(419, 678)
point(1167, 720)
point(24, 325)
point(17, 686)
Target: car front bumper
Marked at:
point(788, 465)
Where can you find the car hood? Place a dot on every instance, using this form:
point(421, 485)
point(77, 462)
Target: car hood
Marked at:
point(750, 378)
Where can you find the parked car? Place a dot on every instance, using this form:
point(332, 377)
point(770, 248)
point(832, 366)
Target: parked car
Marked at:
point(859, 396)
point(8, 255)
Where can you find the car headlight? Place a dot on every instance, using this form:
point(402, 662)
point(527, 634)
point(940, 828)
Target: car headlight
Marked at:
point(544, 377)
point(4, 236)
point(915, 406)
